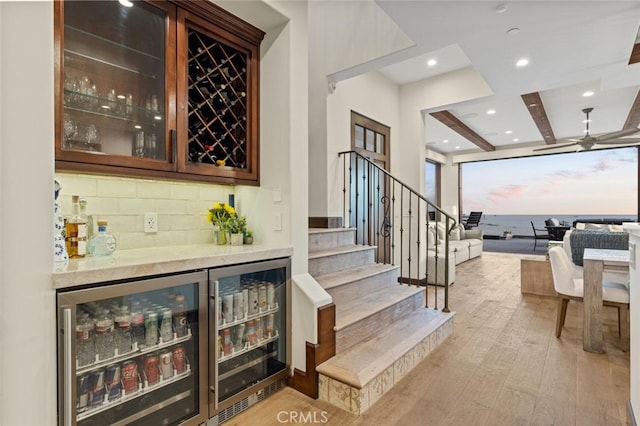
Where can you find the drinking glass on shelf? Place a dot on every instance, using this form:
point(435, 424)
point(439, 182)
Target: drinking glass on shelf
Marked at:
point(91, 135)
point(138, 145)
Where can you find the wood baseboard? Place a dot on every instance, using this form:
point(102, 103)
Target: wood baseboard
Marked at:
point(325, 222)
point(316, 354)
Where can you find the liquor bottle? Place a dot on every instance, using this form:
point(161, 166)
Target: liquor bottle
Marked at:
point(76, 231)
point(88, 219)
point(102, 244)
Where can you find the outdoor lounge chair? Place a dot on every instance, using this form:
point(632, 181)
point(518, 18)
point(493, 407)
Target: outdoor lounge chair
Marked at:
point(473, 220)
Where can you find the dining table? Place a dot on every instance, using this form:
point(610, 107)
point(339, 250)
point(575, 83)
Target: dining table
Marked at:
point(595, 263)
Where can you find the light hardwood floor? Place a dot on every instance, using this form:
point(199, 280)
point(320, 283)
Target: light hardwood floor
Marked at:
point(502, 366)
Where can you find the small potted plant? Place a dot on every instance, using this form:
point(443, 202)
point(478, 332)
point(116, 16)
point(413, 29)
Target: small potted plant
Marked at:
point(236, 227)
point(248, 237)
point(218, 215)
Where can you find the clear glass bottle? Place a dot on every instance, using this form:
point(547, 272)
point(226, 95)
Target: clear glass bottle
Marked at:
point(85, 348)
point(105, 341)
point(123, 330)
point(88, 219)
point(102, 243)
point(76, 231)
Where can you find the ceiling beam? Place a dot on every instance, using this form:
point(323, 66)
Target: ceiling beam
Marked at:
point(633, 119)
point(533, 101)
point(452, 122)
point(635, 54)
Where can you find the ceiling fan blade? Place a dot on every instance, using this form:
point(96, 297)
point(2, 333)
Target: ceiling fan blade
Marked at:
point(556, 146)
point(615, 135)
point(619, 141)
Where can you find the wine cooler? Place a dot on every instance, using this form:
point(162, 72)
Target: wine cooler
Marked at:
point(134, 352)
point(249, 342)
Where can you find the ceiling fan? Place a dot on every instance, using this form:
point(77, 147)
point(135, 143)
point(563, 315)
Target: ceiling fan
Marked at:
point(588, 141)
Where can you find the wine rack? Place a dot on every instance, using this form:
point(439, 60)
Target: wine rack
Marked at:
point(217, 102)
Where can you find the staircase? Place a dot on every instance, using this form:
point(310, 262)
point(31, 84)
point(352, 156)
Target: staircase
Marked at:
point(382, 328)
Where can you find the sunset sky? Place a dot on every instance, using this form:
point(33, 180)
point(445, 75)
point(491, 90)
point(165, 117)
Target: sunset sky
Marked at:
point(602, 182)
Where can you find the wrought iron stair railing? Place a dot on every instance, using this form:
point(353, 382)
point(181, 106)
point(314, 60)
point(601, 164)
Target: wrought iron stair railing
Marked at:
point(404, 225)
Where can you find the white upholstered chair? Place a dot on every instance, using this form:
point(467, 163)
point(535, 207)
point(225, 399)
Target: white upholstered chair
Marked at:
point(569, 287)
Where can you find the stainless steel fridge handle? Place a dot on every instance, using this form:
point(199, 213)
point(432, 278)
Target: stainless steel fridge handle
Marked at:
point(68, 367)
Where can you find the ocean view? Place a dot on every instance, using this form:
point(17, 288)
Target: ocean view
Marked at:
point(520, 224)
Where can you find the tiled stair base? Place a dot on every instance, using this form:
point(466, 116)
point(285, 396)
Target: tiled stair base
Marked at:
point(356, 378)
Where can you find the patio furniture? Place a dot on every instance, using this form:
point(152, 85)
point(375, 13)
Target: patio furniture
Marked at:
point(555, 230)
point(538, 236)
point(473, 220)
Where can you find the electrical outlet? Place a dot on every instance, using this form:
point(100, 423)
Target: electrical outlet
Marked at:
point(150, 222)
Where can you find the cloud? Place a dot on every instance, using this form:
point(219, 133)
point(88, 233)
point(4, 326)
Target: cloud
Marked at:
point(506, 193)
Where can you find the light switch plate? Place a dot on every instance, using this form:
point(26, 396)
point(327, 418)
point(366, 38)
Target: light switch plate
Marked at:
point(150, 222)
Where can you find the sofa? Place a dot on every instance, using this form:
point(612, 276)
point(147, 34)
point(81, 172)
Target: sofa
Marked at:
point(464, 244)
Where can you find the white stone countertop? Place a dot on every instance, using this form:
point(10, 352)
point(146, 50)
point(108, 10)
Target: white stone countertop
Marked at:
point(125, 264)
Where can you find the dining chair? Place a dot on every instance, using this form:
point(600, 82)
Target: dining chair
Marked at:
point(570, 288)
point(538, 236)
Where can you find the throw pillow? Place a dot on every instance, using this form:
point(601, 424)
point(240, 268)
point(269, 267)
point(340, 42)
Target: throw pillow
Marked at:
point(454, 235)
point(587, 238)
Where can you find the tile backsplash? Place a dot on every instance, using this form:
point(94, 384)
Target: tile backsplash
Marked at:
point(181, 207)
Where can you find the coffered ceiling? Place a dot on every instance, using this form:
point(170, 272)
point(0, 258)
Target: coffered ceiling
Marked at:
point(572, 48)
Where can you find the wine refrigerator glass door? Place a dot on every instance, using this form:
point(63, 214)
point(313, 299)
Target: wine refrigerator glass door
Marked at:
point(134, 352)
point(248, 340)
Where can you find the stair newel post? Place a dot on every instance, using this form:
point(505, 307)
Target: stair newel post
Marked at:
point(357, 197)
point(426, 267)
point(401, 232)
point(418, 254)
point(446, 268)
point(409, 236)
point(344, 187)
point(365, 166)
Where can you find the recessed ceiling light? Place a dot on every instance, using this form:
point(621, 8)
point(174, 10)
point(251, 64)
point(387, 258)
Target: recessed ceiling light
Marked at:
point(586, 121)
point(522, 62)
point(513, 31)
point(501, 8)
point(516, 139)
point(508, 132)
point(457, 147)
point(491, 111)
point(445, 141)
point(432, 63)
point(588, 93)
point(533, 105)
point(470, 115)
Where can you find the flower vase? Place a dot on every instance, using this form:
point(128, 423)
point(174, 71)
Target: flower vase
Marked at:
point(237, 239)
point(219, 236)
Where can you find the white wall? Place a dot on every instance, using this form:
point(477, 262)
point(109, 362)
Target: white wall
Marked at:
point(372, 95)
point(342, 34)
point(27, 302)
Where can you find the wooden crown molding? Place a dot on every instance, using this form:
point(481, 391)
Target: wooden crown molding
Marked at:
point(452, 122)
point(534, 104)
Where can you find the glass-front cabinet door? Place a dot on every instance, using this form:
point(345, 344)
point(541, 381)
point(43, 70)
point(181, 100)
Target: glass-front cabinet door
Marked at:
point(117, 103)
point(248, 336)
point(134, 353)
